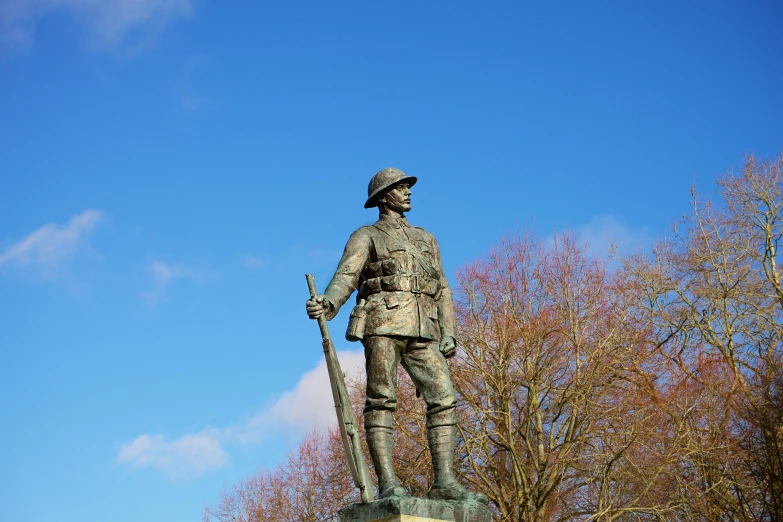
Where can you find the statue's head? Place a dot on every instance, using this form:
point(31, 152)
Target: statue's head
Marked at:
point(388, 186)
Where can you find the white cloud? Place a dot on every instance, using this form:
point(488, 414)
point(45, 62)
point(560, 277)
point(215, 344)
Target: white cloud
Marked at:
point(108, 22)
point(604, 230)
point(307, 405)
point(164, 274)
point(310, 403)
point(187, 457)
point(50, 246)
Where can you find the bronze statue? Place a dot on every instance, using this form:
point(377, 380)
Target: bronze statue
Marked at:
point(404, 315)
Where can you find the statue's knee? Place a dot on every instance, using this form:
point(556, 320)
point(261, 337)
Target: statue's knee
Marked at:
point(377, 419)
point(445, 417)
point(443, 399)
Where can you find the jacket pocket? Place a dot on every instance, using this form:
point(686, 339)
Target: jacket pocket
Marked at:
point(392, 300)
point(430, 307)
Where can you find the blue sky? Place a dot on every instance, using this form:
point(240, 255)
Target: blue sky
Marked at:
point(169, 171)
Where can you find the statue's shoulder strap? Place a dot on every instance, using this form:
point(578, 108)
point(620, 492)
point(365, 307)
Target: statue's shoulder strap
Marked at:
point(384, 240)
point(409, 246)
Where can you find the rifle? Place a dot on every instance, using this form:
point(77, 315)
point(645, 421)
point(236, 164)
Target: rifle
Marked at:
point(346, 417)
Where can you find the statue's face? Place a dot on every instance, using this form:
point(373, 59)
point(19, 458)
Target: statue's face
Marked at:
point(398, 198)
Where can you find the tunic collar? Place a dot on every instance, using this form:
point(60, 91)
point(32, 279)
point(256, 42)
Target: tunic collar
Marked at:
point(394, 222)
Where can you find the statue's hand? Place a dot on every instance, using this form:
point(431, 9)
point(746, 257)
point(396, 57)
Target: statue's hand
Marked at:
point(317, 307)
point(448, 346)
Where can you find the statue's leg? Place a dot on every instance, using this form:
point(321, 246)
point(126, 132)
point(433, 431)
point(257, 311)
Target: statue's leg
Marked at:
point(382, 355)
point(430, 373)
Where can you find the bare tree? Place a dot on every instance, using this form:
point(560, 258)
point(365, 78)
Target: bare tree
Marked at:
point(553, 424)
point(653, 392)
point(712, 295)
point(310, 487)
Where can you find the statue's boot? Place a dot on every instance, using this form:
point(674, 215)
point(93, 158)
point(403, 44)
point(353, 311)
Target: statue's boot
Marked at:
point(445, 486)
point(380, 443)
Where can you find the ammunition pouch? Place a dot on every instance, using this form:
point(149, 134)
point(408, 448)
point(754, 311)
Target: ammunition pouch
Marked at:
point(382, 268)
point(415, 284)
point(357, 322)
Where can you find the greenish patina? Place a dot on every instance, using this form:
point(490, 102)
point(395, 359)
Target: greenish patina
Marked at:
point(423, 509)
point(404, 314)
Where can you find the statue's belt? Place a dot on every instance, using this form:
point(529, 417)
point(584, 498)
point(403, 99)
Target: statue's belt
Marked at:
point(416, 284)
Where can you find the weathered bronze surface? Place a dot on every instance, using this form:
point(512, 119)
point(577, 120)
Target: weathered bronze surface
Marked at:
point(421, 509)
point(404, 315)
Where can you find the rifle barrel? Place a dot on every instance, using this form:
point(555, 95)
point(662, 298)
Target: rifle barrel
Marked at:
point(346, 418)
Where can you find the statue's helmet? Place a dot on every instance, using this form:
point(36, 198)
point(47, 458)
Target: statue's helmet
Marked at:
point(383, 181)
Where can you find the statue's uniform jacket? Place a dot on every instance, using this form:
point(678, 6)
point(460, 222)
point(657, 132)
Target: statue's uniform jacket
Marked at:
point(397, 270)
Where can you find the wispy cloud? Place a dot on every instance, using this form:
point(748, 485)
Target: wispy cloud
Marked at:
point(187, 457)
point(324, 255)
point(254, 261)
point(308, 404)
point(604, 231)
point(196, 67)
point(163, 275)
point(109, 23)
point(49, 247)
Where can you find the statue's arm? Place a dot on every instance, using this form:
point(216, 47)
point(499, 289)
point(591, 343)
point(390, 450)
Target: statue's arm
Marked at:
point(346, 278)
point(445, 300)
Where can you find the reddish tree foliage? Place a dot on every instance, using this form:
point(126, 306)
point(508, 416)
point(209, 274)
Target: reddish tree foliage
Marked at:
point(310, 487)
point(553, 421)
point(712, 295)
point(649, 392)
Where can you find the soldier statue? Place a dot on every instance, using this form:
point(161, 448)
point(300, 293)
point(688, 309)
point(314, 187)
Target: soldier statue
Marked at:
point(404, 315)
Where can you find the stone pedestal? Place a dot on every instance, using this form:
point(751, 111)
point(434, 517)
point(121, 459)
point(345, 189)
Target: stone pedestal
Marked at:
point(406, 518)
point(411, 509)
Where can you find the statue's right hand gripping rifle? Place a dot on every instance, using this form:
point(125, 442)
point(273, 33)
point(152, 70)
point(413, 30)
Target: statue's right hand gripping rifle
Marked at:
point(346, 417)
